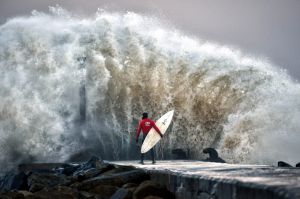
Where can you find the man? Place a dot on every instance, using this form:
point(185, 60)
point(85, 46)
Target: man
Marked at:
point(145, 125)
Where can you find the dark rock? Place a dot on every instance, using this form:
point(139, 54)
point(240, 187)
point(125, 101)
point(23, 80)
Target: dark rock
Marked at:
point(11, 195)
point(150, 188)
point(298, 164)
point(152, 197)
point(56, 192)
point(94, 163)
point(14, 181)
point(34, 187)
point(213, 155)
point(129, 185)
point(69, 169)
point(122, 194)
point(118, 179)
point(179, 154)
point(37, 181)
point(283, 164)
point(40, 167)
point(85, 195)
point(119, 170)
point(104, 190)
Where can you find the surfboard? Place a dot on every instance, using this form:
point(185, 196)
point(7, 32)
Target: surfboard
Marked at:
point(153, 137)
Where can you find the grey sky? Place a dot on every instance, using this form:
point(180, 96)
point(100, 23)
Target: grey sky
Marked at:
point(264, 28)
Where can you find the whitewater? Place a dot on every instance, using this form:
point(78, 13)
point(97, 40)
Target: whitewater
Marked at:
point(118, 65)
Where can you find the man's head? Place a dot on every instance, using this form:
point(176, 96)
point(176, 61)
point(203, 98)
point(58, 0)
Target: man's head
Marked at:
point(145, 115)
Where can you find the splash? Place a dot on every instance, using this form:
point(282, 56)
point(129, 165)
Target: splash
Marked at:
point(70, 84)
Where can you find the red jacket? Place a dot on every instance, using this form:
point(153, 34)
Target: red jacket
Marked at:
point(145, 125)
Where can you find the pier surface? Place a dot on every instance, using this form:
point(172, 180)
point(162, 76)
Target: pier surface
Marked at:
point(197, 179)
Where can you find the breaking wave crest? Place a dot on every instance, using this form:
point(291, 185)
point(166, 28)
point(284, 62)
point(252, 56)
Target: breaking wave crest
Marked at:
point(70, 84)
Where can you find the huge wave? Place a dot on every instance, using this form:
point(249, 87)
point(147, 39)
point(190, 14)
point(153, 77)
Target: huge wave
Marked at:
point(71, 84)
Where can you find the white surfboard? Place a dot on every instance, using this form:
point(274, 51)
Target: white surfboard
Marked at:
point(153, 137)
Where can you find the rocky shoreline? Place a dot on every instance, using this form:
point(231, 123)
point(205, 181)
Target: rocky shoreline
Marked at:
point(93, 179)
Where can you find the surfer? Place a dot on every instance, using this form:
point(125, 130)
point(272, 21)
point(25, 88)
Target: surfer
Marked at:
point(145, 125)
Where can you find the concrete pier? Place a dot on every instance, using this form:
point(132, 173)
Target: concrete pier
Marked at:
point(203, 180)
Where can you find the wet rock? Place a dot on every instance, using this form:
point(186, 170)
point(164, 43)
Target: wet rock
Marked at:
point(11, 195)
point(283, 164)
point(119, 170)
point(118, 179)
point(153, 197)
point(91, 168)
point(14, 181)
point(85, 195)
point(37, 181)
point(150, 188)
point(213, 155)
point(129, 185)
point(122, 194)
point(40, 167)
point(69, 169)
point(104, 190)
point(62, 192)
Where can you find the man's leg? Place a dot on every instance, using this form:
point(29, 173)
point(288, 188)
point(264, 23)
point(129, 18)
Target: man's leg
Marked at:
point(142, 154)
point(152, 154)
point(142, 158)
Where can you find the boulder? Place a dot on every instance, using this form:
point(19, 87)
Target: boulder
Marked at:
point(213, 155)
point(37, 181)
point(150, 188)
point(283, 164)
point(40, 167)
point(122, 194)
point(14, 181)
point(153, 197)
point(91, 168)
point(11, 195)
point(118, 179)
point(129, 185)
point(56, 192)
point(104, 190)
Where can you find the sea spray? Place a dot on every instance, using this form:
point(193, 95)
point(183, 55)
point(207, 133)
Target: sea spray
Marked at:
point(127, 64)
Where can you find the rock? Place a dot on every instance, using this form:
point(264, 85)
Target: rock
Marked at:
point(213, 155)
point(91, 168)
point(69, 169)
point(153, 197)
point(298, 164)
point(129, 185)
point(119, 170)
point(40, 167)
point(283, 164)
point(118, 179)
point(85, 195)
point(14, 181)
point(58, 192)
point(36, 187)
point(122, 194)
point(37, 181)
point(11, 195)
point(104, 190)
point(150, 188)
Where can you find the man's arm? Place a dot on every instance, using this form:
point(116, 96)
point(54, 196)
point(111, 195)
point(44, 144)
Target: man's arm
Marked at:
point(138, 132)
point(156, 128)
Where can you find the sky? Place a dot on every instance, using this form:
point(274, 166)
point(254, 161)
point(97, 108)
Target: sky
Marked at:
point(264, 28)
